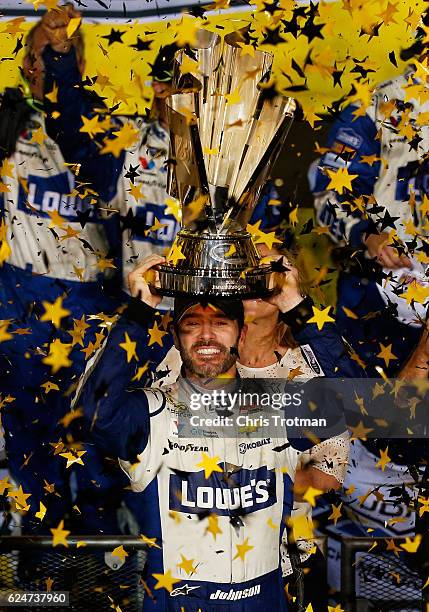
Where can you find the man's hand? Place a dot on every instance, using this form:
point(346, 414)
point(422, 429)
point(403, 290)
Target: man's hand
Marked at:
point(54, 24)
point(387, 256)
point(310, 476)
point(287, 293)
point(140, 278)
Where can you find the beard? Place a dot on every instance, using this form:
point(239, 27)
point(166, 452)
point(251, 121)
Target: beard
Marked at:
point(226, 360)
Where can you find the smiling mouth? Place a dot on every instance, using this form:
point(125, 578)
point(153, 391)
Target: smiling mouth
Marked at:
point(208, 351)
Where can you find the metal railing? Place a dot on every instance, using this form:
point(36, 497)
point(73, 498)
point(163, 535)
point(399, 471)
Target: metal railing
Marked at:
point(96, 580)
point(376, 578)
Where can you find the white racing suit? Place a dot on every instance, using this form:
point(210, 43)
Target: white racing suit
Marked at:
point(245, 503)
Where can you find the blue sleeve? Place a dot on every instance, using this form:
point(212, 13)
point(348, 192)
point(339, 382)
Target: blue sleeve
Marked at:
point(64, 120)
point(115, 406)
point(326, 344)
point(349, 140)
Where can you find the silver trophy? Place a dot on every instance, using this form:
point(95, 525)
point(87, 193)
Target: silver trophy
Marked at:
point(226, 131)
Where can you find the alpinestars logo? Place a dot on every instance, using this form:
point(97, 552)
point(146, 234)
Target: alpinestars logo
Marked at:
point(183, 590)
point(232, 595)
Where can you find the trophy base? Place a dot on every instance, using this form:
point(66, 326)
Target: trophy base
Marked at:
point(223, 265)
point(252, 284)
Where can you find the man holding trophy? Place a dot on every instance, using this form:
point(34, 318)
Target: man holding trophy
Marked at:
point(215, 505)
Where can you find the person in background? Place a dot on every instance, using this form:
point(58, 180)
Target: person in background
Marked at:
point(132, 183)
point(54, 246)
point(380, 225)
point(380, 222)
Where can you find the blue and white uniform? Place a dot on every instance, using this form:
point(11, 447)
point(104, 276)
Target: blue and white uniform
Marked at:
point(43, 266)
point(389, 167)
point(189, 516)
point(141, 426)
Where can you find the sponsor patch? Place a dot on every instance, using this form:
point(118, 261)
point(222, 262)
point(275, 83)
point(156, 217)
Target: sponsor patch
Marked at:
point(311, 359)
point(245, 446)
point(245, 490)
point(349, 137)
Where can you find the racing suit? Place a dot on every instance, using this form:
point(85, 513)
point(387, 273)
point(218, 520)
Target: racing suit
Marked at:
point(141, 426)
point(377, 150)
point(142, 165)
point(311, 359)
point(43, 266)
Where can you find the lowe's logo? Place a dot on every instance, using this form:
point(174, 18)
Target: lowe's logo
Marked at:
point(245, 490)
point(49, 194)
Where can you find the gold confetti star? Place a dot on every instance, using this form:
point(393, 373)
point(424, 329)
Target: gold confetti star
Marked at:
point(136, 191)
point(155, 227)
point(340, 180)
point(175, 254)
point(4, 334)
point(38, 136)
point(165, 581)
point(59, 535)
point(415, 292)
point(58, 355)
point(151, 542)
point(384, 459)
point(5, 484)
point(20, 498)
point(155, 335)
point(391, 546)
point(70, 232)
point(54, 312)
point(41, 512)
point(120, 552)
point(411, 544)
point(242, 550)
point(91, 126)
point(53, 95)
point(209, 465)
point(6, 169)
point(359, 432)
point(56, 219)
point(311, 494)
point(187, 565)
point(320, 317)
point(73, 457)
point(213, 526)
point(386, 353)
point(267, 239)
point(336, 513)
point(129, 347)
point(142, 370)
point(49, 386)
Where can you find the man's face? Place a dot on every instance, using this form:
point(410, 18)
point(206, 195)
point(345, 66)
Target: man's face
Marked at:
point(207, 341)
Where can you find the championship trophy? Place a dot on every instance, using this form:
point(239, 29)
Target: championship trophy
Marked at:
point(227, 128)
